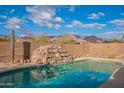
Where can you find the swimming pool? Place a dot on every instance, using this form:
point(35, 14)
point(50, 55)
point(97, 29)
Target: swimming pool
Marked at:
point(86, 73)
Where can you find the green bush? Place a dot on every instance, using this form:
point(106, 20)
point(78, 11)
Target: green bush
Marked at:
point(116, 41)
point(70, 42)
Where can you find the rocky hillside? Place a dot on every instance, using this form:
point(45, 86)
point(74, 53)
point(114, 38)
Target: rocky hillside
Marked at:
point(93, 39)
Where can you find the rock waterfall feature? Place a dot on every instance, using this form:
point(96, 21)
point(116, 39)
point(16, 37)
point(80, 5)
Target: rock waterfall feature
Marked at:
point(51, 54)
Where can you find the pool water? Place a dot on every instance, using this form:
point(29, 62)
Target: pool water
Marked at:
point(79, 74)
point(74, 80)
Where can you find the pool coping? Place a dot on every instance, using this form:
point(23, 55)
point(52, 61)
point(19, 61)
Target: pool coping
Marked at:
point(105, 59)
point(18, 66)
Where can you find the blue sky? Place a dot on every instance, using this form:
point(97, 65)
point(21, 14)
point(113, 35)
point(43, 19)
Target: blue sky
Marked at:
point(102, 21)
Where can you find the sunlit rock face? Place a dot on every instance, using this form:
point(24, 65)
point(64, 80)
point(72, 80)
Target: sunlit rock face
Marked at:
point(51, 54)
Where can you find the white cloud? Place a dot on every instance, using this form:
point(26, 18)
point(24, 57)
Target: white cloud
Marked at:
point(40, 14)
point(44, 16)
point(13, 23)
point(1, 23)
point(58, 19)
point(72, 33)
point(119, 28)
point(72, 8)
point(117, 22)
point(3, 16)
point(69, 26)
point(12, 10)
point(76, 23)
point(95, 16)
point(101, 14)
point(122, 14)
point(114, 32)
point(95, 25)
point(57, 26)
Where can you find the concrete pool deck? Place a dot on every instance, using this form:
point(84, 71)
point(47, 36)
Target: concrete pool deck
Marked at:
point(116, 80)
point(9, 67)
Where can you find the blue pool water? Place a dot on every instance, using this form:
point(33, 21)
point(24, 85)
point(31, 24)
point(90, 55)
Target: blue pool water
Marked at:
point(74, 80)
point(81, 74)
